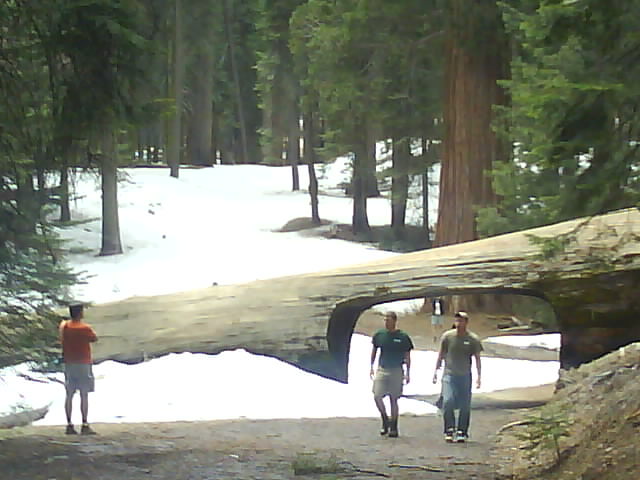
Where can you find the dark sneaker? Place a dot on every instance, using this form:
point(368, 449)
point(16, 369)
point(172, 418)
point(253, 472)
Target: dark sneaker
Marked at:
point(70, 430)
point(87, 430)
point(448, 436)
point(461, 437)
point(393, 428)
point(384, 429)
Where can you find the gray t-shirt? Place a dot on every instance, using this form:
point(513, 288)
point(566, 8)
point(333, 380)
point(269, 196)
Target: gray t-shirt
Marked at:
point(458, 350)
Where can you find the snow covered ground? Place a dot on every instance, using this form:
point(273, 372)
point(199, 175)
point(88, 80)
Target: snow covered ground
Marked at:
point(219, 225)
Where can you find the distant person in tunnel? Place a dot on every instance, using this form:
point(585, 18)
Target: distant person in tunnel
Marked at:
point(437, 320)
point(394, 365)
point(457, 348)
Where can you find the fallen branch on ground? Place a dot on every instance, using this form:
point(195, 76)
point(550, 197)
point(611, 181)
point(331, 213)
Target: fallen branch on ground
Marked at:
point(426, 468)
point(517, 423)
point(39, 380)
point(357, 470)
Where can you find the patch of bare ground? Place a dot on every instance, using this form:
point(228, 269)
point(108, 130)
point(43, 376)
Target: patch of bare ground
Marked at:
point(252, 449)
point(301, 223)
point(595, 418)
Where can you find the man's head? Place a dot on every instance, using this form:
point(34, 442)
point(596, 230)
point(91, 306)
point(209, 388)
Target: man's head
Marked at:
point(390, 321)
point(460, 321)
point(76, 311)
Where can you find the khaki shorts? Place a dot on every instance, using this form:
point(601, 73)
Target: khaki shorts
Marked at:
point(436, 320)
point(388, 381)
point(78, 376)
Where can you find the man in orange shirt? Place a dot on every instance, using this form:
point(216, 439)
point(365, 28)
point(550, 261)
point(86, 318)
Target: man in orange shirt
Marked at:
point(76, 338)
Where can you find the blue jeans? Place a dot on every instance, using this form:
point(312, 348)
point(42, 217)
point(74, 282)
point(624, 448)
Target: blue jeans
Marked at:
point(456, 394)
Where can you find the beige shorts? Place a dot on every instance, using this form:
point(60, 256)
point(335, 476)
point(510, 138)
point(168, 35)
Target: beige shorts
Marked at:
point(78, 376)
point(388, 381)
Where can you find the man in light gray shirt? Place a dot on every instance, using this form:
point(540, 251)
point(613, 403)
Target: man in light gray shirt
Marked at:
point(457, 347)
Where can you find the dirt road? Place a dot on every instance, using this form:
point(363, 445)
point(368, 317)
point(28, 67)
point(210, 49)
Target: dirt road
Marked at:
point(252, 449)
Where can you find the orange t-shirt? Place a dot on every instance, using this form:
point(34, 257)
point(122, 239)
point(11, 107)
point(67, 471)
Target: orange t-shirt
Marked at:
point(76, 342)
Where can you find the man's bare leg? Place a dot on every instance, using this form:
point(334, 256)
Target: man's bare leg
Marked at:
point(84, 408)
point(383, 415)
point(68, 407)
point(393, 422)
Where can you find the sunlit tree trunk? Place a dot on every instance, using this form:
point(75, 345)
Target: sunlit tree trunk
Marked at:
point(475, 61)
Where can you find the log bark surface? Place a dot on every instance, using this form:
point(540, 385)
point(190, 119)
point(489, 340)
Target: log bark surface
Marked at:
point(307, 320)
point(23, 418)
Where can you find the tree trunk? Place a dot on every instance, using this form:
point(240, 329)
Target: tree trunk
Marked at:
point(370, 179)
point(27, 209)
point(471, 146)
point(111, 244)
point(293, 124)
point(293, 147)
point(292, 99)
point(65, 211)
point(399, 186)
point(360, 221)
point(214, 135)
point(430, 156)
point(309, 158)
point(471, 90)
point(425, 188)
point(201, 119)
point(175, 135)
point(228, 9)
point(43, 197)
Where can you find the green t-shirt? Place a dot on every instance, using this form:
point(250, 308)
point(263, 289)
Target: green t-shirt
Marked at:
point(458, 351)
point(393, 346)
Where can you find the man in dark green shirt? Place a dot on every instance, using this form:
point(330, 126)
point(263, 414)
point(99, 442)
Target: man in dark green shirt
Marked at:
point(457, 347)
point(394, 365)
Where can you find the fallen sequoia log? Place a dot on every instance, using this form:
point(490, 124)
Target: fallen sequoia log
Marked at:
point(588, 269)
point(23, 417)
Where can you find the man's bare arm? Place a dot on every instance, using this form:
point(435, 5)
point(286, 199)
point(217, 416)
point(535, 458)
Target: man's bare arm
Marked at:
point(478, 369)
point(438, 364)
point(374, 351)
point(61, 330)
point(407, 362)
point(92, 337)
